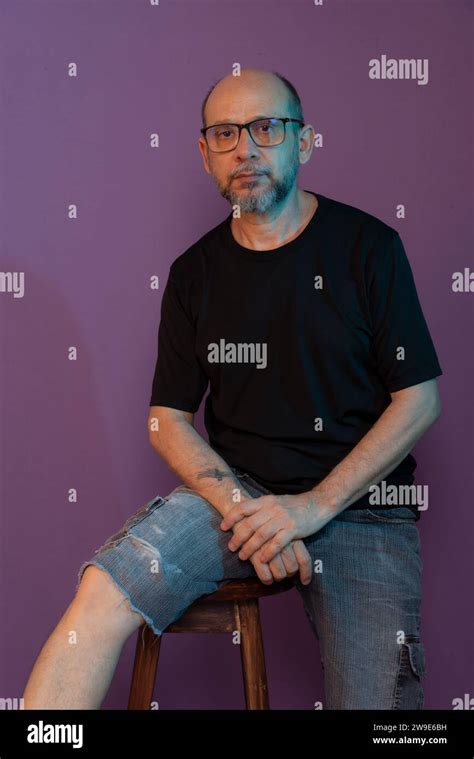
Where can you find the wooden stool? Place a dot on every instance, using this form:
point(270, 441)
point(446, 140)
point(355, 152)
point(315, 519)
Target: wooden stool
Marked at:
point(233, 607)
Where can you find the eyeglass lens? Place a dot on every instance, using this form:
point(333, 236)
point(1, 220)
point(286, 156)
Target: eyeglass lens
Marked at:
point(265, 132)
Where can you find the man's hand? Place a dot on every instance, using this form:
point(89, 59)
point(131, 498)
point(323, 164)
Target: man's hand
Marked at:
point(292, 558)
point(270, 522)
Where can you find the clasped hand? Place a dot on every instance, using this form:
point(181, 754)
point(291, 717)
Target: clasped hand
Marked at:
point(268, 531)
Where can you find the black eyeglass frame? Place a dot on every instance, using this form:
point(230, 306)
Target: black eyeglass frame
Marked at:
point(247, 126)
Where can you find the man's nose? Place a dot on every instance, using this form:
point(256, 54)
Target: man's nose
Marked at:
point(246, 146)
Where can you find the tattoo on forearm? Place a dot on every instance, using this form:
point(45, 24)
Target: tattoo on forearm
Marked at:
point(217, 474)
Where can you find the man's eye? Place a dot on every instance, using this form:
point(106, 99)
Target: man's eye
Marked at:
point(265, 127)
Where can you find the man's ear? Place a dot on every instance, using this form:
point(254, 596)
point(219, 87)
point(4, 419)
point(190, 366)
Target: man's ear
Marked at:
point(306, 143)
point(203, 150)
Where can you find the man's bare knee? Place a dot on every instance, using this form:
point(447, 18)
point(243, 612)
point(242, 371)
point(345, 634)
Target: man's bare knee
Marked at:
point(98, 592)
point(96, 583)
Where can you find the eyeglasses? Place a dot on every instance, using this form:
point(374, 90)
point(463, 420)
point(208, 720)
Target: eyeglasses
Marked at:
point(265, 133)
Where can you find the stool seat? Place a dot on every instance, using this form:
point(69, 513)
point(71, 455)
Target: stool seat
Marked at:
point(233, 608)
point(237, 590)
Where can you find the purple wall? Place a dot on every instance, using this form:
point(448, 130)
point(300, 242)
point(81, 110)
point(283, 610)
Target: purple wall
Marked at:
point(82, 424)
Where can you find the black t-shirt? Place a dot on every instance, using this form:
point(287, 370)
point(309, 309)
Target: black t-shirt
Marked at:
point(301, 345)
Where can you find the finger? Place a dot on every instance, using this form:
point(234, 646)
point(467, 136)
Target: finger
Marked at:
point(304, 560)
point(262, 535)
point(277, 568)
point(263, 572)
point(239, 511)
point(289, 560)
point(276, 545)
point(244, 529)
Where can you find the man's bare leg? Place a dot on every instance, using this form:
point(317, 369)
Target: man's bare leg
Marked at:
point(77, 675)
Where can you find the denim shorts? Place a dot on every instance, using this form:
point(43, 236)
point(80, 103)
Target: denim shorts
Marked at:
point(363, 602)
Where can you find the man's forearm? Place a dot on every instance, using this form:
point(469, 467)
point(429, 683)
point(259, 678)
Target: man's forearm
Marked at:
point(383, 447)
point(269, 523)
point(196, 463)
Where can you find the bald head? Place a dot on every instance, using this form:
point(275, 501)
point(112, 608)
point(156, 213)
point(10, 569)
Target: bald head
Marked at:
point(268, 92)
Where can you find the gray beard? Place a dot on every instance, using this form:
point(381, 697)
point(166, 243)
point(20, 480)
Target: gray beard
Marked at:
point(260, 199)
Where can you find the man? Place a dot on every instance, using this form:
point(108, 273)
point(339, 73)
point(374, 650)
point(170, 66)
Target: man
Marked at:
point(301, 314)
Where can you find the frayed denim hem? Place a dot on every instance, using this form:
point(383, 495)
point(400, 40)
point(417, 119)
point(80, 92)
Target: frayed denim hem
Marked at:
point(125, 592)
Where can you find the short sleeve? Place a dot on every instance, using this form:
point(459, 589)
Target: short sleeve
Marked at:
point(179, 381)
point(403, 348)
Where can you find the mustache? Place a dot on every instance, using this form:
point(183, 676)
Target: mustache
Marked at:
point(248, 171)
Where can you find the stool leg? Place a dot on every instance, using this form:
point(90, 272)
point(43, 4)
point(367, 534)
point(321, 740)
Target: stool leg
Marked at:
point(144, 668)
point(252, 654)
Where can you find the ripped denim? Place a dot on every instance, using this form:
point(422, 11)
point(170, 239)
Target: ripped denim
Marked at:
point(363, 603)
